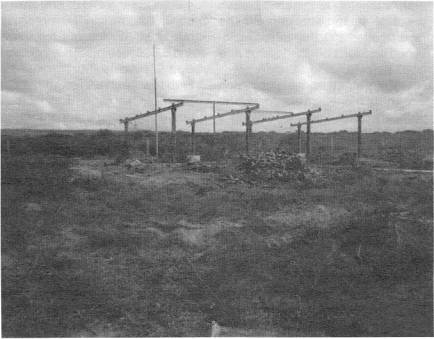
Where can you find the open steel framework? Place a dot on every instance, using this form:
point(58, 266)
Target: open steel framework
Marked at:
point(287, 115)
point(172, 108)
point(250, 106)
point(358, 115)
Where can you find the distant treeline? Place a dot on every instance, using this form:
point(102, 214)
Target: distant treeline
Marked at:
point(407, 149)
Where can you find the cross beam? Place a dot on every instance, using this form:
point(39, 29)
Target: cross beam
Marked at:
point(221, 115)
point(211, 102)
point(285, 116)
point(334, 118)
point(272, 112)
point(149, 113)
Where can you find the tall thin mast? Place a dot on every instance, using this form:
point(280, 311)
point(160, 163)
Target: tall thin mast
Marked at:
point(155, 105)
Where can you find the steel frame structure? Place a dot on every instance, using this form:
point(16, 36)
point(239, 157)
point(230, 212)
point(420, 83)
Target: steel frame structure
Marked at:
point(288, 115)
point(172, 108)
point(250, 106)
point(359, 117)
point(193, 122)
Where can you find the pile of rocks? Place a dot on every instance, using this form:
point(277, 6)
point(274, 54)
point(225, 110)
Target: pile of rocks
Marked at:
point(271, 166)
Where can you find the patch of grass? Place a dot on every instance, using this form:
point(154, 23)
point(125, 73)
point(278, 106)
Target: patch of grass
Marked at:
point(87, 258)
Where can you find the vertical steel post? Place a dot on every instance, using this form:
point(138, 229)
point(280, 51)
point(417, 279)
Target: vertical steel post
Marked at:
point(248, 130)
point(126, 136)
point(148, 148)
point(126, 131)
point(299, 137)
point(213, 129)
point(173, 110)
point(308, 116)
point(359, 135)
point(213, 118)
point(193, 146)
point(155, 106)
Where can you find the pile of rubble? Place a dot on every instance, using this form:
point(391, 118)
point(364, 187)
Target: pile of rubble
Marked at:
point(274, 166)
point(278, 166)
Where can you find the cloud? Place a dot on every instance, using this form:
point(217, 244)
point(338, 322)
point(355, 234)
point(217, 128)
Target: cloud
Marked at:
point(87, 64)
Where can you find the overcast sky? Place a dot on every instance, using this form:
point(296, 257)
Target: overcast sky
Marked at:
point(84, 65)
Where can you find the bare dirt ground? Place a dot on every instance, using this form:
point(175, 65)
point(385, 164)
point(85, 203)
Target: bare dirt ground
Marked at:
point(156, 174)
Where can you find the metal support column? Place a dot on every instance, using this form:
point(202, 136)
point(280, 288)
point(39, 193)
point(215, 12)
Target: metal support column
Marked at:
point(155, 106)
point(359, 135)
point(126, 136)
point(126, 131)
point(193, 146)
point(173, 110)
point(248, 130)
point(213, 118)
point(213, 129)
point(299, 137)
point(308, 116)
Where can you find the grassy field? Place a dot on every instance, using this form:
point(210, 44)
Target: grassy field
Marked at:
point(167, 251)
point(407, 149)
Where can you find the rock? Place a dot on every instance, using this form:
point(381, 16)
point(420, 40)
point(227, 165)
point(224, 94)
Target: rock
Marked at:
point(193, 159)
point(190, 236)
point(302, 157)
point(136, 165)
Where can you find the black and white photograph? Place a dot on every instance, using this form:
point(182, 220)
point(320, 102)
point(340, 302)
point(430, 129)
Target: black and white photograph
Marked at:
point(237, 168)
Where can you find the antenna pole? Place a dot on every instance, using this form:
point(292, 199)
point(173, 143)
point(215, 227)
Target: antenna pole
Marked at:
point(155, 105)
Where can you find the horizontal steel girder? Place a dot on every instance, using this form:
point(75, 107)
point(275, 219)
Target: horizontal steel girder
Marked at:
point(286, 116)
point(335, 118)
point(211, 102)
point(149, 113)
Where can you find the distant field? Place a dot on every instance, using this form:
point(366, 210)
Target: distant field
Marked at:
point(407, 149)
point(37, 132)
